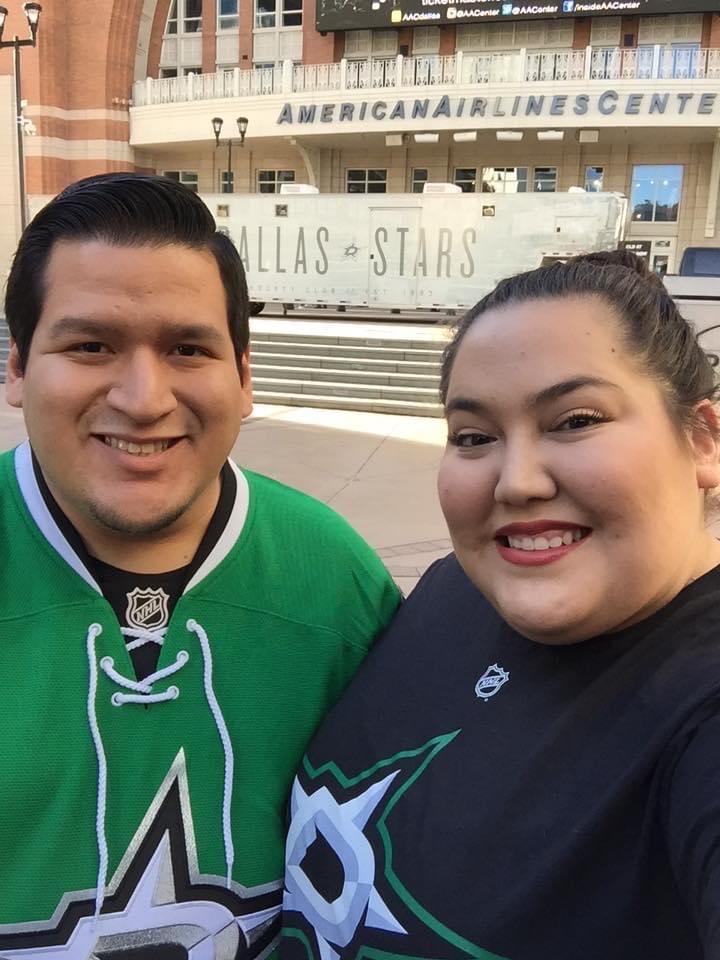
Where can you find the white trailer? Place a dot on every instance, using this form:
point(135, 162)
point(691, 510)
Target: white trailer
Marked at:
point(406, 251)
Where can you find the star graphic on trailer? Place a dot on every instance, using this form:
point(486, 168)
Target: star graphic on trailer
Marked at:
point(156, 904)
point(341, 825)
point(351, 251)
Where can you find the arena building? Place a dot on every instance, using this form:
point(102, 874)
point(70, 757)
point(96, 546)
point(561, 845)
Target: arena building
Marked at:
point(375, 96)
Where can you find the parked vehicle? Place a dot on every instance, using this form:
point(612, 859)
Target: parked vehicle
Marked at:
point(696, 290)
point(406, 251)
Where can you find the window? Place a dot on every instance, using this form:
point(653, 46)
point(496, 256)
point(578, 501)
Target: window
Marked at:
point(605, 31)
point(266, 13)
point(513, 36)
point(656, 190)
point(168, 73)
point(192, 21)
point(465, 178)
point(268, 181)
point(366, 181)
point(191, 71)
point(227, 181)
point(426, 40)
point(358, 43)
point(292, 13)
point(674, 28)
point(594, 179)
point(384, 43)
point(228, 15)
point(187, 13)
point(545, 180)
point(505, 180)
point(419, 179)
point(187, 177)
point(172, 20)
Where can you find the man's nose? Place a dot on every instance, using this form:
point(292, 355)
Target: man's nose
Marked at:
point(143, 390)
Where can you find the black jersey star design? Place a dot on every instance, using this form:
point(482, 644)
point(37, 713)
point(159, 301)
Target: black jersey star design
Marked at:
point(157, 904)
point(339, 823)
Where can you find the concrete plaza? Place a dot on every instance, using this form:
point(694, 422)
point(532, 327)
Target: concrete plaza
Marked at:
point(377, 470)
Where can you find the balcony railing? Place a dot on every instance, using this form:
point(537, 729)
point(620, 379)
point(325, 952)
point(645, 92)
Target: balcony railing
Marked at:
point(531, 66)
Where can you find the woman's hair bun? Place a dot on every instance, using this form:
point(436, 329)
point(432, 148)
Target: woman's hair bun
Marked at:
point(621, 258)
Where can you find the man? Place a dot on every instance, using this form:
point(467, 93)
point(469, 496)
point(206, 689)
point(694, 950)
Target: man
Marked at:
point(172, 628)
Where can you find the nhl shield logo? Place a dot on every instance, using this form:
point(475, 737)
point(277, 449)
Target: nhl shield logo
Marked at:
point(491, 681)
point(147, 609)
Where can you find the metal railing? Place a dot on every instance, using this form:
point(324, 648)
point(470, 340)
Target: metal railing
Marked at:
point(530, 66)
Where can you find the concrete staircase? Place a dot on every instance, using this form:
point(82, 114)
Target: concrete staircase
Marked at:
point(4, 345)
point(315, 369)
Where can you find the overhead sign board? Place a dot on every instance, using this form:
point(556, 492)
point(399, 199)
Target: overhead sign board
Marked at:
point(363, 14)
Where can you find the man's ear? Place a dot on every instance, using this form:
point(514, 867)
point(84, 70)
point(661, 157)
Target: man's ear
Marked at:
point(14, 377)
point(705, 441)
point(246, 401)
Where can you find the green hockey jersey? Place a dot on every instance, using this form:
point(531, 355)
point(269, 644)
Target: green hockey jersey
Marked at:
point(147, 819)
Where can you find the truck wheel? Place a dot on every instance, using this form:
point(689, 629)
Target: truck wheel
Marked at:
point(256, 308)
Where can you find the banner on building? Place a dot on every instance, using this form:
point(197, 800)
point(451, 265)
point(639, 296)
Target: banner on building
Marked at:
point(363, 14)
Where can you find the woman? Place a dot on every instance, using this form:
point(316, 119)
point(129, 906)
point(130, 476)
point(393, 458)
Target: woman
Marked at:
point(528, 765)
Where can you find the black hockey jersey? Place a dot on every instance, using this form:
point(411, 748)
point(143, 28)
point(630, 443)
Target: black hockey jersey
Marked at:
point(476, 794)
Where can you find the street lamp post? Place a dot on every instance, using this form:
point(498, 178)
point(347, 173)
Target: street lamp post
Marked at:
point(32, 12)
point(217, 125)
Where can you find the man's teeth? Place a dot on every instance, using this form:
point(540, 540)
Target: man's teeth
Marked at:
point(546, 543)
point(139, 449)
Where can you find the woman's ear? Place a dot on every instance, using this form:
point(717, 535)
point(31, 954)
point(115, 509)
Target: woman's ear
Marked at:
point(705, 440)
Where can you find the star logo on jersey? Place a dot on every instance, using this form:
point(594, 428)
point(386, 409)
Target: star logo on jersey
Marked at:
point(147, 608)
point(157, 903)
point(341, 887)
point(341, 825)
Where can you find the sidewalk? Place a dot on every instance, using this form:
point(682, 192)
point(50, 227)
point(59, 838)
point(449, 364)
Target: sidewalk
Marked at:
point(377, 470)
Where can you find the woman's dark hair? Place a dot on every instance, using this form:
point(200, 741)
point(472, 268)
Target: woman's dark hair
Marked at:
point(652, 328)
point(128, 210)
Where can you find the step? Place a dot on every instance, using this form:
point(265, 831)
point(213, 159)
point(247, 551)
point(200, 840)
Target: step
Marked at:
point(300, 388)
point(390, 378)
point(367, 353)
point(391, 343)
point(319, 362)
point(400, 407)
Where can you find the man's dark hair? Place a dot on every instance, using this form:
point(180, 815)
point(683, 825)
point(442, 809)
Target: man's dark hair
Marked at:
point(124, 210)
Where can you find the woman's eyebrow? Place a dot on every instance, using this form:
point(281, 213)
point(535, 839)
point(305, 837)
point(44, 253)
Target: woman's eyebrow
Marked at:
point(557, 390)
point(544, 396)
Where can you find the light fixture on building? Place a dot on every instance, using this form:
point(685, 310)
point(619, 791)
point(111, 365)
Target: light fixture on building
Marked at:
point(588, 136)
point(393, 139)
point(217, 125)
point(32, 13)
point(465, 136)
point(550, 134)
point(426, 137)
point(509, 135)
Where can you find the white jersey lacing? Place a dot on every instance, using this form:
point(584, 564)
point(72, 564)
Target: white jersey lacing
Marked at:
point(142, 692)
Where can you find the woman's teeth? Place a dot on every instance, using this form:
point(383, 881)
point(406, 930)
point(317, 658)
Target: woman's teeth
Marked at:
point(139, 449)
point(556, 539)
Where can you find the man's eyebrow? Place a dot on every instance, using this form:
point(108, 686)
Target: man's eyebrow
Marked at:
point(78, 326)
point(547, 395)
point(97, 329)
